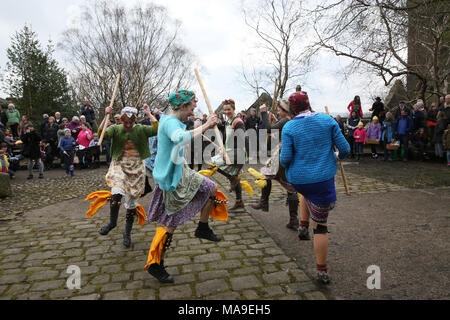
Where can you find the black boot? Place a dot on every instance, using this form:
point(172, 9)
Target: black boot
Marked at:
point(113, 214)
point(205, 232)
point(293, 215)
point(159, 270)
point(128, 227)
point(264, 201)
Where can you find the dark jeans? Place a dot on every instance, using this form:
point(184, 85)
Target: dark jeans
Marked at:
point(359, 147)
point(388, 154)
point(404, 139)
point(373, 147)
point(351, 142)
point(13, 130)
point(68, 161)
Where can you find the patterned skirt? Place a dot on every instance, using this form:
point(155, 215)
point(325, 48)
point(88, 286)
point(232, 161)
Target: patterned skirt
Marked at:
point(187, 200)
point(128, 172)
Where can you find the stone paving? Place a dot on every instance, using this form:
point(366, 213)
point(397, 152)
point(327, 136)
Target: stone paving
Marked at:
point(35, 255)
point(246, 264)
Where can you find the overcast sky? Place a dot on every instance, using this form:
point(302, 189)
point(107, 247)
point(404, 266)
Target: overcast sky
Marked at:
point(213, 30)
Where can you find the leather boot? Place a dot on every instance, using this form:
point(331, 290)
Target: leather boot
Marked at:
point(264, 201)
point(128, 227)
point(293, 215)
point(159, 270)
point(203, 231)
point(239, 204)
point(113, 214)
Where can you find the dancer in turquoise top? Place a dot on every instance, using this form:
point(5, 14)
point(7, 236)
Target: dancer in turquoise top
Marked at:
point(180, 192)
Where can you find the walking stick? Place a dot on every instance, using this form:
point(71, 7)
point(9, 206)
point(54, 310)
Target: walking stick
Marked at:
point(107, 115)
point(216, 130)
point(341, 167)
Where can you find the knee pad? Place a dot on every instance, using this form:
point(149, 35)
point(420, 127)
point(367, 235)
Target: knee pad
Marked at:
point(321, 229)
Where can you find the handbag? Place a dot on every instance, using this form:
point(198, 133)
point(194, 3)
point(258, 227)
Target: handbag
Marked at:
point(76, 160)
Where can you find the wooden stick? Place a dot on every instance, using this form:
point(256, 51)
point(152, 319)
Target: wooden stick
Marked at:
point(216, 130)
point(210, 141)
point(341, 167)
point(139, 99)
point(274, 100)
point(107, 115)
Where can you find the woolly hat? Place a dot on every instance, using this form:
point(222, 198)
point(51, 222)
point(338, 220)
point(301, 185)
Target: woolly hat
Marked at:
point(375, 118)
point(299, 102)
point(360, 124)
point(180, 97)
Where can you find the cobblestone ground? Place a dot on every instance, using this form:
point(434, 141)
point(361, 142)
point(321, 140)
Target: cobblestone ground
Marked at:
point(38, 246)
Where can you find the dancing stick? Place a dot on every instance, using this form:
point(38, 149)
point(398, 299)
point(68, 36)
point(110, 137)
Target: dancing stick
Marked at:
point(216, 130)
point(139, 99)
point(341, 167)
point(107, 115)
point(274, 100)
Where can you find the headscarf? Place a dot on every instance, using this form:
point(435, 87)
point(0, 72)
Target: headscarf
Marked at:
point(179, 98)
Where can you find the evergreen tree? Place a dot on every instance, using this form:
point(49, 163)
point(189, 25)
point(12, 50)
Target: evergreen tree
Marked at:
point(33, 79)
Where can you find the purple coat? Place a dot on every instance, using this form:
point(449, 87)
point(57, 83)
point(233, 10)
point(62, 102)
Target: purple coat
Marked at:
point(374, 132)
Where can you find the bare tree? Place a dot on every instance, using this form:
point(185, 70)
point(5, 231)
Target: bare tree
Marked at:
point(393, 39)
point(279, 26)
point(142, 44)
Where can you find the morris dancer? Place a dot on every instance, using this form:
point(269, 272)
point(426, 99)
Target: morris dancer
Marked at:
point(278, 174)
point(310, 162)
point(234, 128)
point(126, 174)
point(180, 192)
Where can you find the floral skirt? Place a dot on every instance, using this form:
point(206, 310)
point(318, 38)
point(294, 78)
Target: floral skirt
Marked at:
point(159, 213)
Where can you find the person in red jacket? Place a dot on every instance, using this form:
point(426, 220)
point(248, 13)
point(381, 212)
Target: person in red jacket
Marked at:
point(356, 106)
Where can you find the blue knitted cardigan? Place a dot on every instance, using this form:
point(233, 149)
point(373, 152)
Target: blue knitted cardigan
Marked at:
point(307, 148)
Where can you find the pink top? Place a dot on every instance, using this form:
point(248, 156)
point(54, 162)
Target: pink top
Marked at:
point(360, 135)
point(82, 139)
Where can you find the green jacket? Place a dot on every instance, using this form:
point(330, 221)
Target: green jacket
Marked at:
point(138, 136)
point(13, 116)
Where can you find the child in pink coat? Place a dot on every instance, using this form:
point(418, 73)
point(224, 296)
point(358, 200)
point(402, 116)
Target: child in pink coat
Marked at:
point(360, 136)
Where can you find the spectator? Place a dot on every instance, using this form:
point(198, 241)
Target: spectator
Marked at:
point(221, 125)
point(398, 111)
point(13, 116)
point(374, 132)
point(24, 122)
point(44, 123)
point(46, 154)
point(94, 151)
point(65, 121)
point(420, 141)
point(441, 105)
point(418, 116)
point(31, 151)
point(60, 135)
point(51, 135)
point(447, 108)
point(360, 136)
point(205, 118)
point(75, 127)
point(87, 124)
point(352, 124)
point(88, 111)
point(431, 120)
point(83, 140)
point(146, 121)
point(446, 143)
point(67, 148)
point(252, 120)
point(387, 136)
point(355, 105)
point(341, 124)
point(405, 126)
point(3, 116)
point(9, 164)
point(58, 119)
point(377, 109)
point(117, 119)
point(438, 134)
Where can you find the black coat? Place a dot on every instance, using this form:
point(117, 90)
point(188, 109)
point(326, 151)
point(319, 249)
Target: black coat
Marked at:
point(377, 107)
point(88, 111)
point(31, 148)
point(50, 132)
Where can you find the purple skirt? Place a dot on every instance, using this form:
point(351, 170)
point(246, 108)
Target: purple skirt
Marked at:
point(157, 211)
